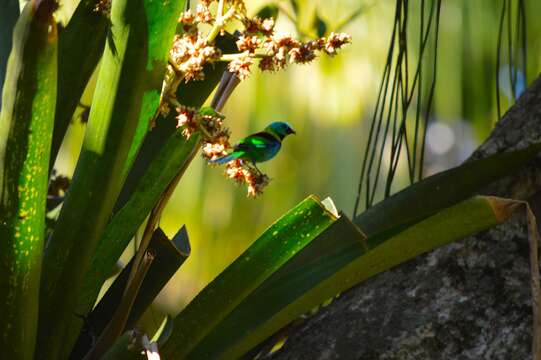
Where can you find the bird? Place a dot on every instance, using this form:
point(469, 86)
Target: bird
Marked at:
point(259, 147)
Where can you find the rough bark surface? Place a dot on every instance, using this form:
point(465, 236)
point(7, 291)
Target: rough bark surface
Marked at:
point(468, 300)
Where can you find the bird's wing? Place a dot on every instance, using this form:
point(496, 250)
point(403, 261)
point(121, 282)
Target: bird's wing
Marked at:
point(260, 140)
point(258, 147)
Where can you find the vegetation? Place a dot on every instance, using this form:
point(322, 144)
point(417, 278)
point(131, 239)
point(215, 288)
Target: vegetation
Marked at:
point(61, 238)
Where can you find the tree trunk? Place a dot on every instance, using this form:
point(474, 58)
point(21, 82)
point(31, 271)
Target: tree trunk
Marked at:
point(468, 300)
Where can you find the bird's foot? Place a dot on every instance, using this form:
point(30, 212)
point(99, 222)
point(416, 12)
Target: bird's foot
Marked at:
point(257, 169)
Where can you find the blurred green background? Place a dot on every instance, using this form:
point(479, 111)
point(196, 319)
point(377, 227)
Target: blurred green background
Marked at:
point(330, 104)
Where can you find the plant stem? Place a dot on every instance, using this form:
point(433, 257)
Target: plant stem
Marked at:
point(231, 57)
point(220, 21)
point(220, 9)
point(116, 325)
point(153, 219)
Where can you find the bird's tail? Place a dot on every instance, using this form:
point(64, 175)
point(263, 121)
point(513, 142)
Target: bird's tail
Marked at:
point(226, 158)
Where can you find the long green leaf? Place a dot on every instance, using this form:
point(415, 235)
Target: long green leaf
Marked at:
point(169, 256)
point(9, 12)
point(26, 127)
point(127, 92)
point(124, 224)
point(442, 190)
point(163, 153)
point(335, 261)
point(340, 243)
point(279, 243)
point(80, 48)
point(293, 289)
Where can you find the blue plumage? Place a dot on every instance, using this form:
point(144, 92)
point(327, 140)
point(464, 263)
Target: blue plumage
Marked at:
point(224, 159)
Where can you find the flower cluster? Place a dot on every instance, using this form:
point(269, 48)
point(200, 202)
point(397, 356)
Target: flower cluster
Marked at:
point(241, 172)
point(191, 50)
point(257, 42)
point(241, 65)
point(256, 25)
point(275, 51)
point(205, 120)
point(281, 49)
point(189, 53)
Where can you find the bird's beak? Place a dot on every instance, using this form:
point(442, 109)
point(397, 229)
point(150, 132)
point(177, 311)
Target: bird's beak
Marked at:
point(293, 132)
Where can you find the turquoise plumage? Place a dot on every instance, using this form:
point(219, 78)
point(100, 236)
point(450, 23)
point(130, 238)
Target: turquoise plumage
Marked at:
point(259, 147)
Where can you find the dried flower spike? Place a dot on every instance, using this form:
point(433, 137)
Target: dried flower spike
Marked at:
point(335, 41)
point(241, 65)
point(186, 118)
point(241, 172)
point(192, 49)
point(190, 53)
point(203, 14)
point(249, 43)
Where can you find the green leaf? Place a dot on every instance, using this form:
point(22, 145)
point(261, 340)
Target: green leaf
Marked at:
point(293, 289)
point(123, 226)
point(144, 124)
point(165, 331)
point(439, 191)
point(9, 12)
point(269, 11)
point(332, 262)
point(127, 92)
point(209, 111)
point(320, 26)
point(80, 48)
point(164, 152)
point(278, 244)
point(264, 311)
point(169, 256)
point(26, 127)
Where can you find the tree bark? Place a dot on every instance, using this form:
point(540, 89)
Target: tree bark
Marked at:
point(468, 300)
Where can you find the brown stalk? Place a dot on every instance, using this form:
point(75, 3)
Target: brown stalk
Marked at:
point(116, 326)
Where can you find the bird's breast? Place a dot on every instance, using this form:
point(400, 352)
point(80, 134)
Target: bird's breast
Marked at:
point(268, 152)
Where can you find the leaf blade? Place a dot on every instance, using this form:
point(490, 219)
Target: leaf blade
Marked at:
point(26, 126)
point(307, 220)
point(80, 48)
point(169, 256)
point(442, 190)
point(126, 91)
point(306, 284)
point(9, 12)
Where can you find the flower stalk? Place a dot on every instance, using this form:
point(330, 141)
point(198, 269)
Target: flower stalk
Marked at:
point(257, 42)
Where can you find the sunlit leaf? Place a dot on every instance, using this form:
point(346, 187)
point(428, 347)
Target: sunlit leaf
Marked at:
point(278, 244)
point(26, 128)
point(127, 93)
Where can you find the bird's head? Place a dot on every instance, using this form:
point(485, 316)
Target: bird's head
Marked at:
point(280, 129)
